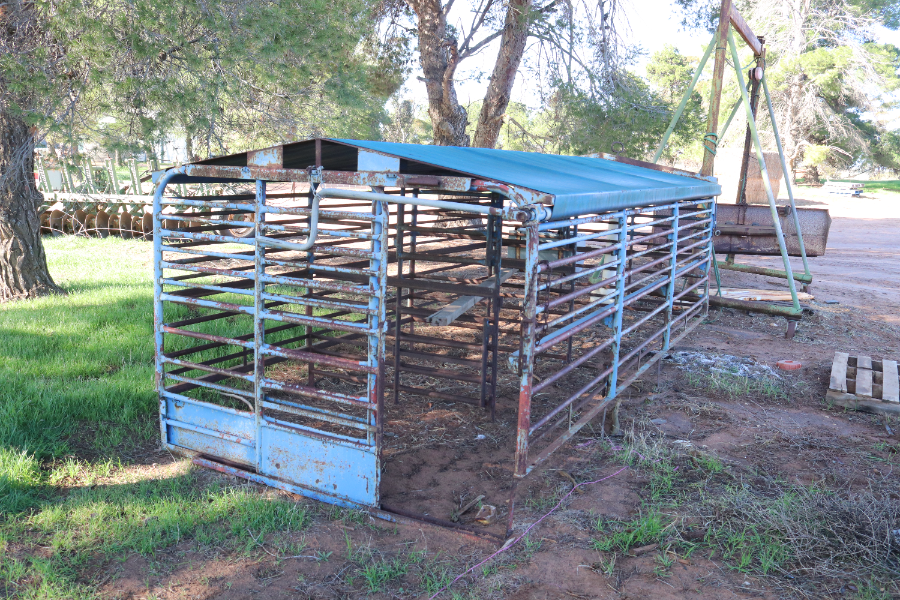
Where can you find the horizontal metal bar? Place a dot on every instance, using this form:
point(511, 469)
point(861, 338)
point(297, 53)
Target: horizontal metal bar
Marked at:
point(210, 432)
point(164, 393)
point(203, 237)
point(166, 201)
point(324, 249)
point(246, 255)
point(313, 266)
point(347, 233)
point(165, 297)
point(300, 411)
point(248, 395)
point(205, 368)
point(336, 438)
point(208, 288)
point(288, 317)
point(335, 304)
point(319, 359)
point(208, 337)
point(802, 278)
point(311, 392)
point(323, 212)
point(578, 275)
point(276, 483)
point(317, 284)
point(199, 218)
point(577, 240)
point(207, 270)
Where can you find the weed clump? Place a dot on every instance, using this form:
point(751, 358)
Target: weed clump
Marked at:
point(810, 532)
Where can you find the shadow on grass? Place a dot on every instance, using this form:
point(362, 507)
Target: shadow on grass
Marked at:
point(89, 526)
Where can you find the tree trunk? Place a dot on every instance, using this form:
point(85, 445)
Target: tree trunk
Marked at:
point(793, 147)
point(496, 99)
point(23, 264)
point(438, 57)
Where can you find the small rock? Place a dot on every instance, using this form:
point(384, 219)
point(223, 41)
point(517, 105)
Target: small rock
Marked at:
point(480, 436)
point(746, 583)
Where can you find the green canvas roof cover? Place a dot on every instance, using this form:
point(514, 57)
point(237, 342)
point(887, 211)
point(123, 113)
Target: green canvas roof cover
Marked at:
point(579, 184)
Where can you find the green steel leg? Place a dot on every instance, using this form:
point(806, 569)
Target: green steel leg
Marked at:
point(734, 110)
point(684, 100)
point(763, 171)
point(787, 178)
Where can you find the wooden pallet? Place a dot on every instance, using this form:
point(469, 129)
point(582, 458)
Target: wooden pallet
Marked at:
point(860, 383)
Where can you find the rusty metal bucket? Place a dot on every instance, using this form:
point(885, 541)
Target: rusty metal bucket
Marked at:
point(749, 229)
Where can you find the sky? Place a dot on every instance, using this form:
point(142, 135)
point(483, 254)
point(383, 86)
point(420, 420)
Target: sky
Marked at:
point(651, 24)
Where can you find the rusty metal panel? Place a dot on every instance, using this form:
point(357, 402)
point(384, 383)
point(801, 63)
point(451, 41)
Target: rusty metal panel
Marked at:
point(749, 229)
point(266, 157)
point(204, 443)
point(336, 469)
point(228, 421)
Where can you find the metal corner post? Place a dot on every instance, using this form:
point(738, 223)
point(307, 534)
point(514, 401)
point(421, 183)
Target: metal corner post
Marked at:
point(529, 318)
point(158, 318)
point(620, 304)
point(259, 324)
point(378, 327)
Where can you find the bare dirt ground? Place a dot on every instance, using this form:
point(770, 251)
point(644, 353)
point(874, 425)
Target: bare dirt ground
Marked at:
point(760, 440)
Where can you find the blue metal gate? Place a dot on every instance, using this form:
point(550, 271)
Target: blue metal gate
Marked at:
point(270, 356)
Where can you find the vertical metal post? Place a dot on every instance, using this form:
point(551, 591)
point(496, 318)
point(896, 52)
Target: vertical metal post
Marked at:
point(412, 248)
point(573, 232)
point(377, 323)
point(259, 324)
point(308, 311)
point(528, 342)
point(779, 234)
point(398, 304)
point(496, 300)
point(620, 301)
point(787, 177)
point(485, 324)
point(158, 321)
point(715, 94)
point(711, 256)
point(670, 290)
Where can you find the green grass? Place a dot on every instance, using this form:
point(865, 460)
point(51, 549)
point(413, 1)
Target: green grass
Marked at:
point(85, 361)
point(67, 360)
point(887, 185)
point(732, 385)
point(622, 536)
